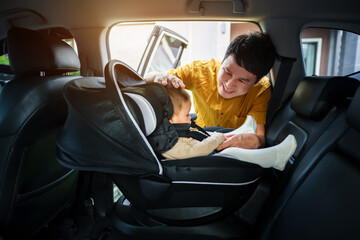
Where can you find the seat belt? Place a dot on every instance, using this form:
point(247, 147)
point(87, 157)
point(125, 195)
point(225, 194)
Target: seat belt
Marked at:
point(282, 77)
point(250, 212)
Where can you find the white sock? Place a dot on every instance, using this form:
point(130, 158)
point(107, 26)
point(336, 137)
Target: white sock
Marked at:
point(249, 126)
point(276, 156)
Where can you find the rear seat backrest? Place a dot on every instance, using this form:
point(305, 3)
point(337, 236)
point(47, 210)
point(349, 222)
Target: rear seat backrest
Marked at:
point(321, 200)
point(317, 101)
point(34, 187)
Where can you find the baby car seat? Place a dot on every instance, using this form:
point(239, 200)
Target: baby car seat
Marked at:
point(110, 128)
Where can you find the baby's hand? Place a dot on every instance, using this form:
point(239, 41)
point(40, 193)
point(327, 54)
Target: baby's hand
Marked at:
point(226, 137)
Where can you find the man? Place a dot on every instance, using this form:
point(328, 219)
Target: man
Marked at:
point(225, 93)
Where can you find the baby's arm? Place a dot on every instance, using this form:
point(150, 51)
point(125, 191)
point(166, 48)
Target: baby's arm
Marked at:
point(188, 147)
point(206, 146)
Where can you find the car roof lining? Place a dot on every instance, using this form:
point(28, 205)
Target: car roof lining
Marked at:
point(82, 13)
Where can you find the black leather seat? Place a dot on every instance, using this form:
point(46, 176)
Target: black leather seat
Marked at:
point(321, 198)
point(316, 103)
point(34, 187)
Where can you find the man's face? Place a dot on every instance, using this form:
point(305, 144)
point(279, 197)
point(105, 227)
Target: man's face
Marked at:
point(233, 80)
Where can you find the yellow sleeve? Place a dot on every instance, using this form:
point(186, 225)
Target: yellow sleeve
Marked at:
point(184, 73)
point(197, 72)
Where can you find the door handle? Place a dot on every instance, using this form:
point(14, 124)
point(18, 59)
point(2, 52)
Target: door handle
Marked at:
point(238, 5)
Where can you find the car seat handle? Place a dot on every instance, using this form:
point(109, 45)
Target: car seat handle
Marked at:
point(195, 5)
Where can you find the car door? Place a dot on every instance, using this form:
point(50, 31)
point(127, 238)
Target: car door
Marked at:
point(163, 51)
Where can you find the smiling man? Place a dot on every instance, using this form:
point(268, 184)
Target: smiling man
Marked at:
point(224, 93)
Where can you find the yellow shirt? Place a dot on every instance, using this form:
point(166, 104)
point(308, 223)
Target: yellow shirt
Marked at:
point(213, 110)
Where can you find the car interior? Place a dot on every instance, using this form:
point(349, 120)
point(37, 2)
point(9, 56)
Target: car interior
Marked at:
point(78, 120)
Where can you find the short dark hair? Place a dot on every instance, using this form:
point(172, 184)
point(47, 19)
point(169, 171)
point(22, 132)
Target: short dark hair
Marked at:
point(178, 96)
point(254, 51)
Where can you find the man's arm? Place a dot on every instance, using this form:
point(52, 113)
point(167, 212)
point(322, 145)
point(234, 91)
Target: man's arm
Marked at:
point(246, 140)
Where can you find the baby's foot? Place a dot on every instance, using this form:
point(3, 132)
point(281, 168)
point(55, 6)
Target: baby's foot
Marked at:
point(284, 151)
point(248, 127)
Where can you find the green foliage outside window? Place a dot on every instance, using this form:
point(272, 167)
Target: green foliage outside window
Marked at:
point(4, 60)
point(77, 73)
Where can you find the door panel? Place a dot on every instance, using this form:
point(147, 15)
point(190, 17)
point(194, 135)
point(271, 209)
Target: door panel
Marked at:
point(163, 52)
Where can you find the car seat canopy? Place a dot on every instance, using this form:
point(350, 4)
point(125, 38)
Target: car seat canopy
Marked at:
point(101, 132)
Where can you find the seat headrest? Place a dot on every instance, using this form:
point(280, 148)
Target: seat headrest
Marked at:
point(315, 96)
point(32, 52)
point(352, 115)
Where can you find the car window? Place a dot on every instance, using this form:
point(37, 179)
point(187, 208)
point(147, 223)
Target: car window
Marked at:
point(163, 51)
point(169, 48)
point(4, 59)
point(128, 41)
point(72, 43)
point(330, 52)
point(6, 73)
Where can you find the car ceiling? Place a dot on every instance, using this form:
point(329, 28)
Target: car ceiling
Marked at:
point(89, 13)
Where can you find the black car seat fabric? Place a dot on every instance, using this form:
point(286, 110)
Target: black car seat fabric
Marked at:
point(321, 200)
point(34, 187)
point(6, 74)
point(96, 126)
point(106, 131)
point(316, 102)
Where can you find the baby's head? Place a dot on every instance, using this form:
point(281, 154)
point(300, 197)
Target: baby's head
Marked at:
point(181, 101)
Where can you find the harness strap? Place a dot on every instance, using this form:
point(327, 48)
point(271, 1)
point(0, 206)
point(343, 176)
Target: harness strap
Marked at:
point(184, 130)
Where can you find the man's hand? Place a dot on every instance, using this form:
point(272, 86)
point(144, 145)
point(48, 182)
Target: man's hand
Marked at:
point(164, 79)
point(245, 140)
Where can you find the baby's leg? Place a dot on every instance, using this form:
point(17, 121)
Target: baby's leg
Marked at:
point(276, 156)
point(248, 127)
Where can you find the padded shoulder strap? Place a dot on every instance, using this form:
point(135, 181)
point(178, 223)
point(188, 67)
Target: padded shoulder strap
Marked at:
point(163, 138)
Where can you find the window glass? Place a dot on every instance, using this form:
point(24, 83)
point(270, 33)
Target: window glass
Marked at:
point(4, 59)
point(330, 52)
point(164, 58)
point(72, 43)
point(163, 51)
point(127, 41)
point(6, 73)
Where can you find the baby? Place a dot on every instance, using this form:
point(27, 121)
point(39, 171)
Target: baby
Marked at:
point(188, 146)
